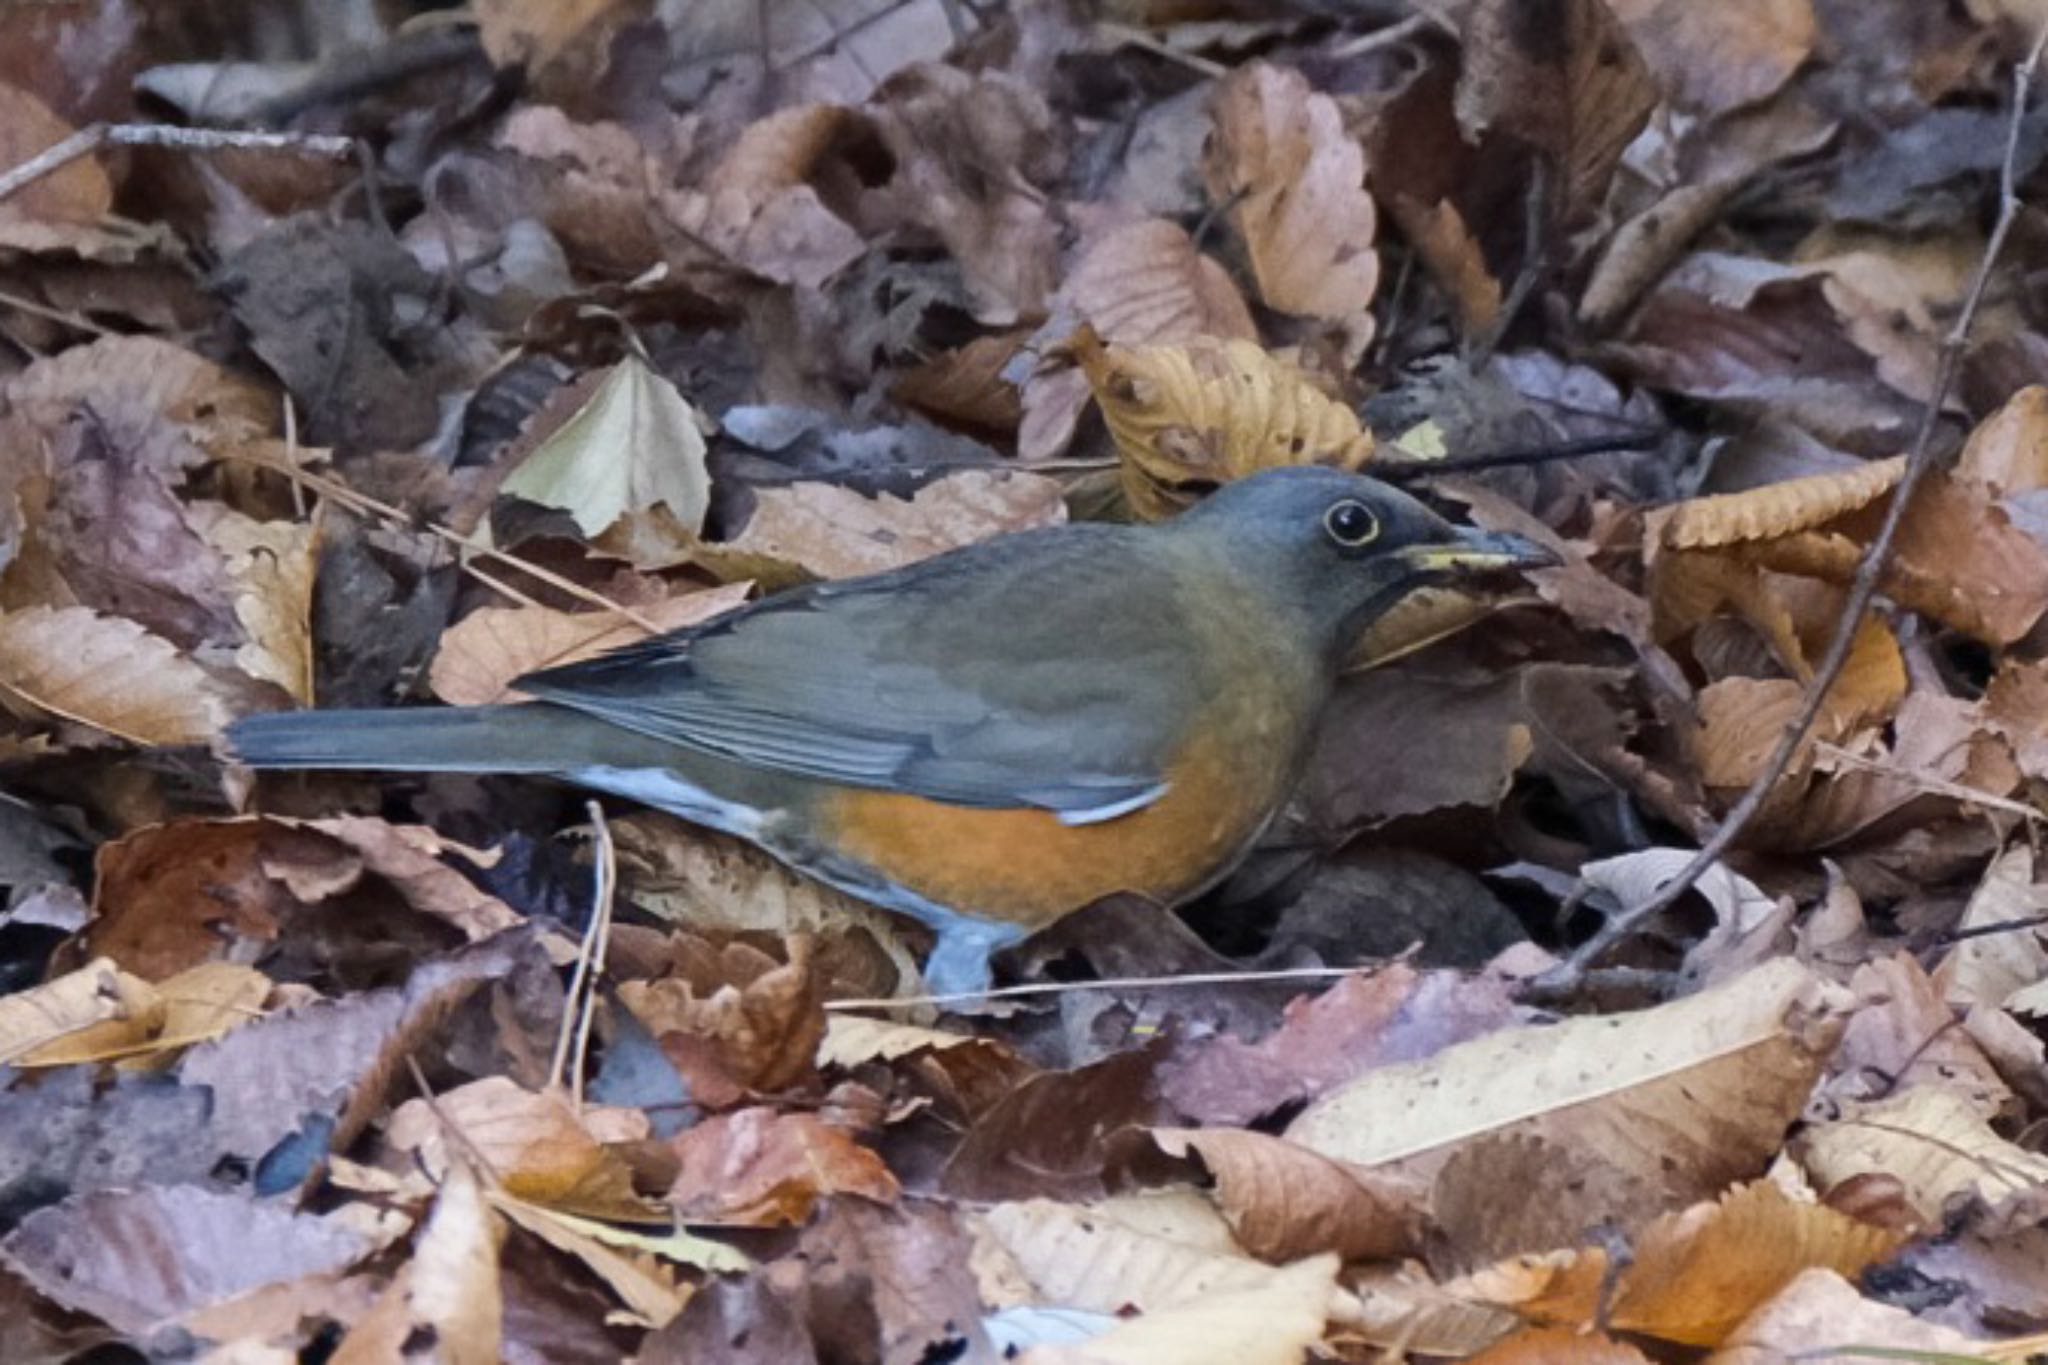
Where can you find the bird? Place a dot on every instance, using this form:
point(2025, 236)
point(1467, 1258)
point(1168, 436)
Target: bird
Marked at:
point(986, 740)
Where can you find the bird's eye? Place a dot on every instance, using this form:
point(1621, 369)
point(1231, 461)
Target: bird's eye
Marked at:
point(1351, 524)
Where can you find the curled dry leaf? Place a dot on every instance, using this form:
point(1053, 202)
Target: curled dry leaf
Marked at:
point(1695, 1274)
point(111, 674)
point(758, 1168)
point(271, 565)
point(1929, 1139)
point(828, 531)
point(1821, 1318)
point(1292, 181)
point(2008, 452)
point(1138, 283)
point(1687, 1096)
point(628, 1263)
point(481, 654)
point(760, 1035)
point(447, 1294)
point(711, 882)
point(1991, 968)
point(1564, 77)
point(540, 1148)
point(1285, 1202)
point(965, 385)
point(1208, 412)
point(1776, 509)
point(87, 1008)
point(1716, 57)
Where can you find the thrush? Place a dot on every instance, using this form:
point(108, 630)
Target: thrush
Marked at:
point(986, 740)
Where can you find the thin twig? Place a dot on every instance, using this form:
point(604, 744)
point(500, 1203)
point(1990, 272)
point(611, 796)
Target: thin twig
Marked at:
point(363, 502)
point(607, 892)
point(1393, 33)
point(1633, 438)
point(588, 954)
point(92, 137)
point(1111, 983)
point(1565, 978)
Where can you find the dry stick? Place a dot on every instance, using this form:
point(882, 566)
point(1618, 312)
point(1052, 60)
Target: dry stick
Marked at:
point(91, 138)
point(586, 956)
point(607, 892)
point(1567, 976)
point(363, 502)
point(1109, 983)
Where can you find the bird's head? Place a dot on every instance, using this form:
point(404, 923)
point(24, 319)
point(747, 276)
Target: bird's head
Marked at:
point(1338, 550)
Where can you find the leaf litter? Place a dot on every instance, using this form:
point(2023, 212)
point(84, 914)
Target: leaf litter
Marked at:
point(649, 311)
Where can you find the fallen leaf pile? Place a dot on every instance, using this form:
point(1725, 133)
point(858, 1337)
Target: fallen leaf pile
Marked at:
point(623, 314)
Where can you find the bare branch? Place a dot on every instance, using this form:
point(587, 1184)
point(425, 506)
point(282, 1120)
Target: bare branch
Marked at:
point(1568, 975)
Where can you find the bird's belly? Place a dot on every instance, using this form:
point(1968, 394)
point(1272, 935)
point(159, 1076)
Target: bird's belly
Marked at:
point(1026, 867)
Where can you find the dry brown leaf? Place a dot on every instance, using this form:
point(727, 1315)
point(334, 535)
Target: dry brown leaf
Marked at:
point(644, 1285)
point(758, 1168)
point(110, 674)
point(851, 1039)
point(2008, 452)
point(1147, 281)
point(1114, 1256)
point(715, 883)
point(1208, 412)
point(271, 564)
point(1274, 1323)
point(1285, 1202)
point(1687, 1096)
point(481, 654)
point(1903, 1036)
point(1776, 509)
point(1697, 1274)
point(149, 1025)
point(1821, 1319)
point(1929, 1139)
point(1715, 57)
point(971, 151)
point(1992, 968)
point(833, 532)
point(1559, 1346)
point(1742, 719)
point(1444, 241)
point(447, 1294)
point(965, 385)
point(1135, 284)
point(76, 195)
point(540, 1148)
point(1564, 77)
point(1291, 179)
point(760, 1035)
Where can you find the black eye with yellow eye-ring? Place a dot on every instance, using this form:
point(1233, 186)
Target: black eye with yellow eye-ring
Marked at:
point(1351, 524)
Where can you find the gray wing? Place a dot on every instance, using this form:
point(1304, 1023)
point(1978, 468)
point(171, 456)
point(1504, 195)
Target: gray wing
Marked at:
point(940, 679)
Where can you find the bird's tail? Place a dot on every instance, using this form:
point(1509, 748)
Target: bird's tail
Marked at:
point(480, 739)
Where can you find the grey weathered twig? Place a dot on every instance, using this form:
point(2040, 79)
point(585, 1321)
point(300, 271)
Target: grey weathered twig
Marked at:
point(91, 138)
point(1569, 974)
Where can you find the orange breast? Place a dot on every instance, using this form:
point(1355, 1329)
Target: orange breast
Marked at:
point(1025, 867)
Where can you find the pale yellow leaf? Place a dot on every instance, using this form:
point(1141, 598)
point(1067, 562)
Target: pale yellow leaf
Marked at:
point(634, 445)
